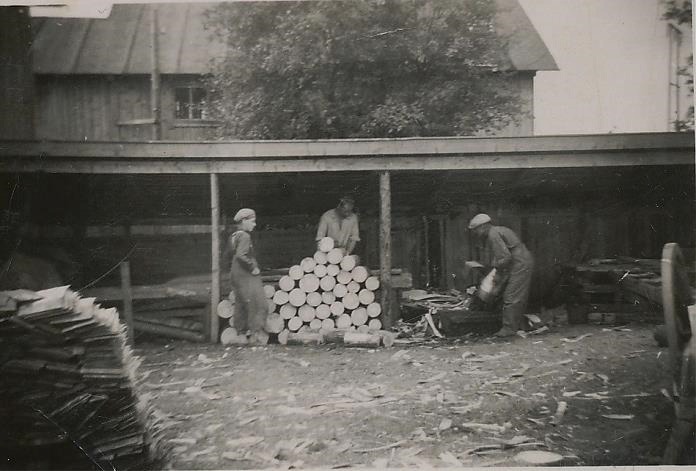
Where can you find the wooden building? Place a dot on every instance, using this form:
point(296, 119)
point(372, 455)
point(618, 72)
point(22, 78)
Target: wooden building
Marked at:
point(569, 197)
point(85, 94)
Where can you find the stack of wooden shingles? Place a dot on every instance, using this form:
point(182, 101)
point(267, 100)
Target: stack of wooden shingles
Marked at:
point(327, 297)
point(68, 383)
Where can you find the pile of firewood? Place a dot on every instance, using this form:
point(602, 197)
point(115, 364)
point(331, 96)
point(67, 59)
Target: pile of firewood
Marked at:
point(325, 297)
point(68, 391)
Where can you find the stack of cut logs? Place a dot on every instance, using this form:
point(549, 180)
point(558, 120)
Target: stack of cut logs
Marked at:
point(327, 297)
point(68, 391)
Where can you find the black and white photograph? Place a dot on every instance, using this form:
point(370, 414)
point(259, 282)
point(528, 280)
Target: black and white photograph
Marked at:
point(347, 234)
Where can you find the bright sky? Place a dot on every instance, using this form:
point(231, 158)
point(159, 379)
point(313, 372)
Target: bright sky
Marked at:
point(613, 56)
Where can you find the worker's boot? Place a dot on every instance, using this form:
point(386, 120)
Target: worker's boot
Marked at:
point(505, 332)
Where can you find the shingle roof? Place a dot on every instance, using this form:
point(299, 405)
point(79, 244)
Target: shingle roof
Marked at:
point(121, 43)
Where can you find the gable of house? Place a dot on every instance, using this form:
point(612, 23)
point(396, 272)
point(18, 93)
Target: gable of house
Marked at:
point(186, 46)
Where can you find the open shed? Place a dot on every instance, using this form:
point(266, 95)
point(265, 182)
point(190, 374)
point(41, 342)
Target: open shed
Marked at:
point(164, 205)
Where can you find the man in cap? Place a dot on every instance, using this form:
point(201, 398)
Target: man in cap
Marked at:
point(341, 224)
point(514, 265)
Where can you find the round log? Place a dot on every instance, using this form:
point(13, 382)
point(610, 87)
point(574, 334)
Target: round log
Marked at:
point(281, 297)
point(306, 313)
point(374, 309)
point(323, 311)
point(274, 324)
point(337, 308)
point(296, 272)
point(269, 291)
point(305, 338)
point(327, 283)
point(358, 317)
point(360, 274)
point(231, 296)
point(229, 336)
point(315, 324)
point(297, 297)
point(309, 283)
point(308, 264)
point(294, 324)
point(326, 244)
point(286, 283)
point(388, 338)
point(327, 297)
point(538, 458)
point(348, 263)
point(283, 337)
point(320, 271)
point(343, 321)
point(314, 299)
point(351, 301)
point(366, 297)
point(344, 277)
point(356, 339)
point(288, 311)
point(230, 321)
point(271, 305)
point(320, 257)
point(363, 329)
point(304, 328)
point(333, 270)
point(374, 324)
point(353, 287)
point(225, 309)
point(371, 283)
point(340, 290)
point(328, 324)
point(335, 256)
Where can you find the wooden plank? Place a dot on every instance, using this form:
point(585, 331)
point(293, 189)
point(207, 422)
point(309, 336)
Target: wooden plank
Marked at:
point(385, 247)
point(425, 162)
point(215, 247)
point(565, 147)
point(127, 298)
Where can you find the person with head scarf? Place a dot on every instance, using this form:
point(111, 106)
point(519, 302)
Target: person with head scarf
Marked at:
point(514, 265)
point(341, 224)
point(251, 307)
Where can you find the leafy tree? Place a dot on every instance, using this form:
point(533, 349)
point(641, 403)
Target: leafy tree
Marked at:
point(680, 12)
point(360, 68)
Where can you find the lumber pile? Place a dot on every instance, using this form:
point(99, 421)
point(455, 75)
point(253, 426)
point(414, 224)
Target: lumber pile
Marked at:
point(68, 386)
point(325, 297)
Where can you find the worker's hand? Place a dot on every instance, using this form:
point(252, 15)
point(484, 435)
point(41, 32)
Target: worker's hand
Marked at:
point(255, 271)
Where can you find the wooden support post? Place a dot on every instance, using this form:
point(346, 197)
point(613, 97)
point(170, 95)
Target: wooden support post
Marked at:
point(215, 247)
point(155, 76)
point(385, 264)
point(127, 299)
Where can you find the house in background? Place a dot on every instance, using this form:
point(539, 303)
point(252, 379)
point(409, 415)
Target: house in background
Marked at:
point(93, 76)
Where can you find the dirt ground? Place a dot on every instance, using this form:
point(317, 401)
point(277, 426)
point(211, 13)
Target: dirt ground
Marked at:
point(470, 401)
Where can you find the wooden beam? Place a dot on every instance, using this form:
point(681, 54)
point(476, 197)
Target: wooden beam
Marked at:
point(215, 247)
point(385, 263)
point(603, 144)
point(155, 76)
point(425, 162)
point(127, 299)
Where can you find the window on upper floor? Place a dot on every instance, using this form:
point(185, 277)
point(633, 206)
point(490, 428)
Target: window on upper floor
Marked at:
point(190, 103)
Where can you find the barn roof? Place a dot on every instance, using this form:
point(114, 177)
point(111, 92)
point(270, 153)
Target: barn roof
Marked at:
point(121, 43)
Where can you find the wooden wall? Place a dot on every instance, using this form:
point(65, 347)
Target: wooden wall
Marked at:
point(90, 108)
point(162, 221)
point(16, 83)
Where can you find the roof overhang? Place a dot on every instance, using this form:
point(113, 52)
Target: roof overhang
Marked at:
point(409, 154)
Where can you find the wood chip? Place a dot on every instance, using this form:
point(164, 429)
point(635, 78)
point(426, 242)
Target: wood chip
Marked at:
point(381, 448)
point(618, 416)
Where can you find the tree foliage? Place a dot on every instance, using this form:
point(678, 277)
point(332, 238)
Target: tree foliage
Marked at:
point(360, 68)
